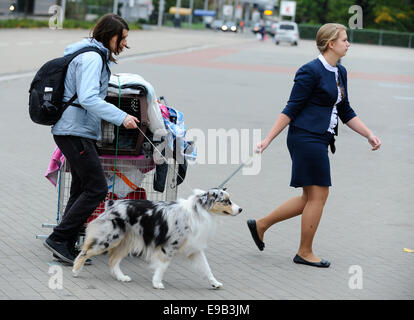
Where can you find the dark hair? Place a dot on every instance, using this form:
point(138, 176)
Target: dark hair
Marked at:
point(107, 27)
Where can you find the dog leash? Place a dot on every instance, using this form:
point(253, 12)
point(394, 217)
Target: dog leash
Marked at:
point(166, 160)
point(243, 164)
point(116, 143)
point(155, 148)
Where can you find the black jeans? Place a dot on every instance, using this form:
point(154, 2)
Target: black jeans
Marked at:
point(88, 187)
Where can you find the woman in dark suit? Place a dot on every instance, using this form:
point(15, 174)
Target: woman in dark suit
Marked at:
point(319, 96)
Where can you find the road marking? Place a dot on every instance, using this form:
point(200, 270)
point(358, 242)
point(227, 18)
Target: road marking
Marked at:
point(25, 43)
point(394, 85)
point(150, 55)
point(46, 42)
point(404, 98)
point(9, 77)
point(384, 78)
point(17, 76)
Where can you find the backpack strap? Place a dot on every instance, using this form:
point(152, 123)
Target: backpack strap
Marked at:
point(73, 56)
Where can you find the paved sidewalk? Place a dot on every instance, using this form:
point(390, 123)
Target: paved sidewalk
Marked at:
point(368, 219)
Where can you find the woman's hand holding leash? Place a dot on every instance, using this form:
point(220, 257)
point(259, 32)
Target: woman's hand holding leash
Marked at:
point(375, 142)
point(261, 146)
point(280, 124)
point(130, 122)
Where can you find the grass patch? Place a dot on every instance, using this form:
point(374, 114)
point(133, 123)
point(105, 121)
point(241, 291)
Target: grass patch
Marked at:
point(186, 25)
point(67, 24)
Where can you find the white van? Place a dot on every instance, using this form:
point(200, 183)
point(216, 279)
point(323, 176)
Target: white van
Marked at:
point(286, 31)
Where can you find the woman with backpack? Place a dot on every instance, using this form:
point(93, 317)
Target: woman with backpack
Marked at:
point(80, 127)
point(318, 98)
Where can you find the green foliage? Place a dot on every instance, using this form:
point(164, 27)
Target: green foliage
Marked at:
point(67, 24)
point(185, 25)
point(367, 36)
point(397, 15)
point(24, 23)
point(198, 4)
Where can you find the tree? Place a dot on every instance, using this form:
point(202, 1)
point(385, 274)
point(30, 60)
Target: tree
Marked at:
point(377, 14)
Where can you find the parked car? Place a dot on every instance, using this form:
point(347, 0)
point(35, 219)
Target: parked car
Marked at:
point(286, 31)
point(216, 24)
point(229, 26)
point(12, 7)
point(272, 29)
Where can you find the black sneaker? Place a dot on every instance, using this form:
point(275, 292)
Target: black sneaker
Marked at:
point(57, 259)
point(61, 250)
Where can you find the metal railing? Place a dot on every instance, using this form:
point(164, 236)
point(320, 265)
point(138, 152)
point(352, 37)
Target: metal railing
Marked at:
point(378, 37)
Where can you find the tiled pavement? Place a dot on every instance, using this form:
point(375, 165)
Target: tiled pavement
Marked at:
point(367, 221)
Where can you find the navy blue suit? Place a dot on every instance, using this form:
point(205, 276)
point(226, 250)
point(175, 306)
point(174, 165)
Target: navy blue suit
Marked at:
point(314, 95)
point(310, 107)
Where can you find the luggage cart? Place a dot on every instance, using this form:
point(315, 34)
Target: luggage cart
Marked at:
point(129, 170)
point(132, 178)
point(127, 156)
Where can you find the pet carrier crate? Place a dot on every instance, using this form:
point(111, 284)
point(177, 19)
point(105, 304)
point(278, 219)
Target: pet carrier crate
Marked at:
point(129, 142)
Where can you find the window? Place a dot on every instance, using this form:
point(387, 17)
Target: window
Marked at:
point(286, 27)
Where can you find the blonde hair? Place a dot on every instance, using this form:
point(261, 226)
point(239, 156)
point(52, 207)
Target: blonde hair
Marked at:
point(327, 33)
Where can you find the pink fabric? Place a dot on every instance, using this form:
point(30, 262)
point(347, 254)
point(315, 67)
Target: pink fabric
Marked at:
point(112, 156)
point(164, 111)
point(58, 159)
point(55, 163)
point(144, 164)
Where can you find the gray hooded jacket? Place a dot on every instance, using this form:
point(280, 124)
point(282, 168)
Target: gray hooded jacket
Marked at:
point(87, 78)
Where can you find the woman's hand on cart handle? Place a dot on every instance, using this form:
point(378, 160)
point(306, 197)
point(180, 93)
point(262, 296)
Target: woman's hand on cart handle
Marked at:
point(130, 122)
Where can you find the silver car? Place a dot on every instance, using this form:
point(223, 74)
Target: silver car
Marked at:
point(216, 24)
point(229, 26)
point(286, 31)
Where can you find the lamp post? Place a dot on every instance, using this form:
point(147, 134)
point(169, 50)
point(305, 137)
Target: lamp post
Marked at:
point(177, 14)
point(190, 19)
point(62, 13)
point(115, 9)
point(160, 12)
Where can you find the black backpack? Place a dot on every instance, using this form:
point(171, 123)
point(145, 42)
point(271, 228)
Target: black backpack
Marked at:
point(47, 88)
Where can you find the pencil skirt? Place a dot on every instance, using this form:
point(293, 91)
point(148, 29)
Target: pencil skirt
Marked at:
point(310, 160)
